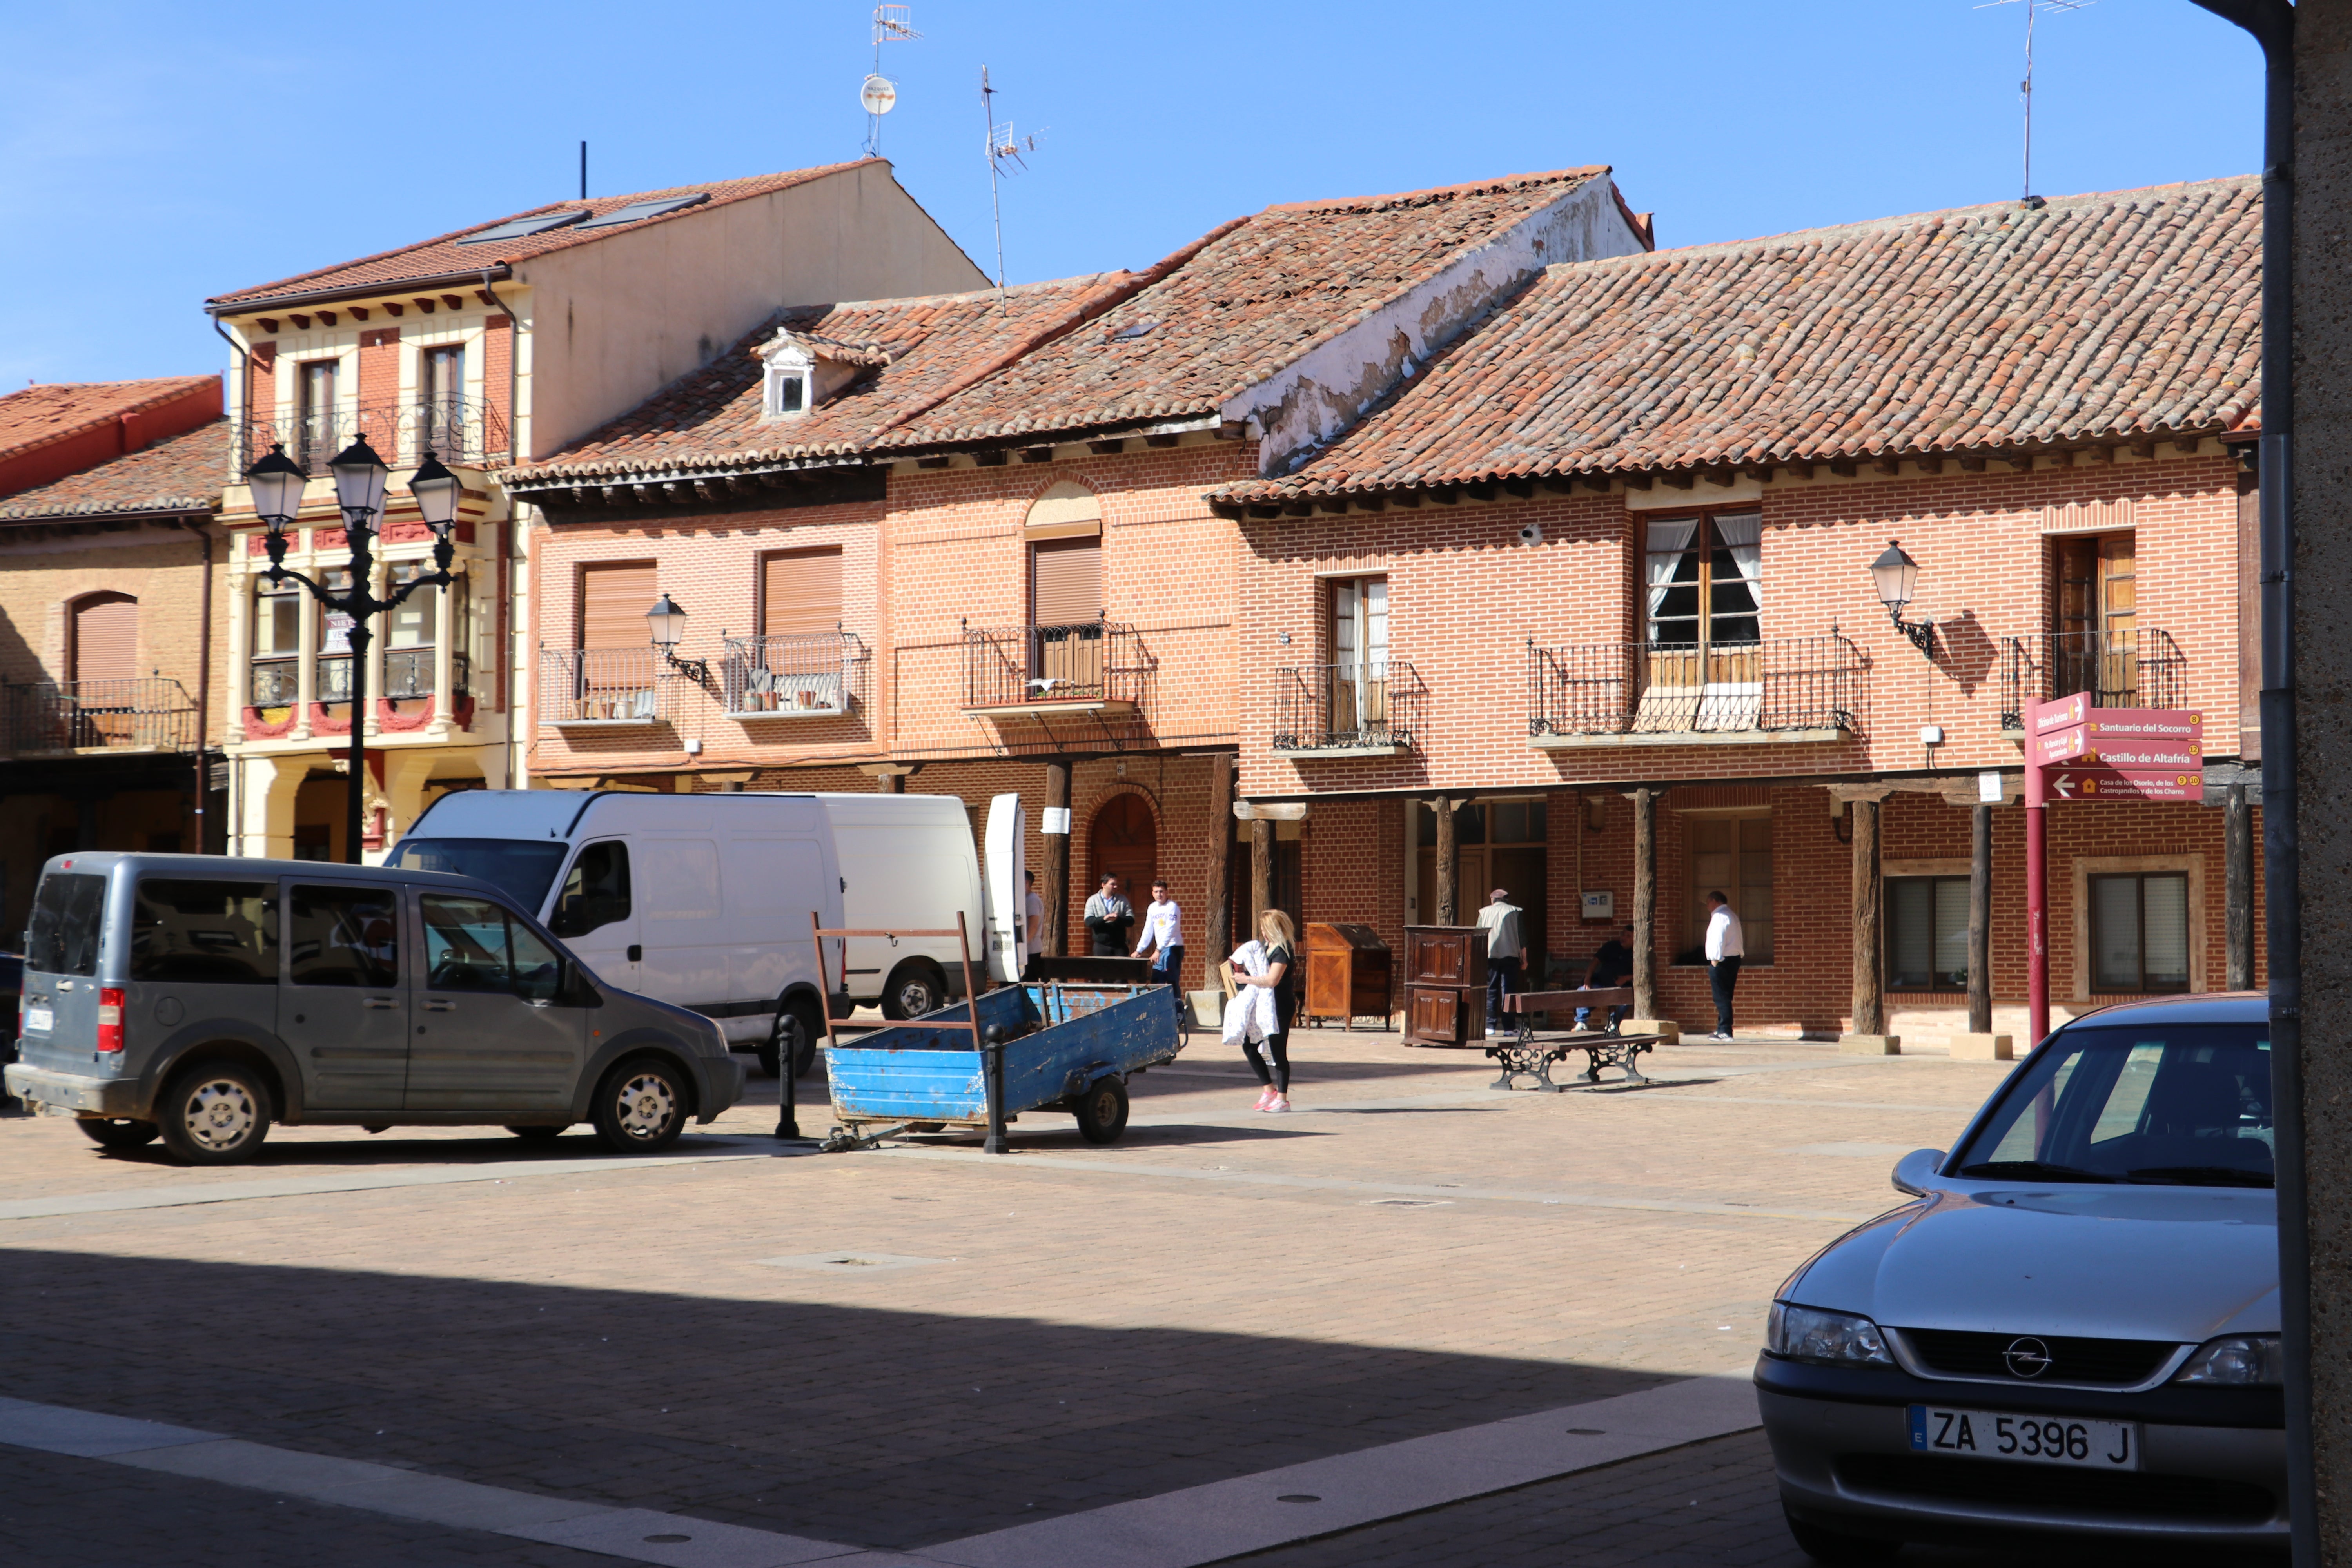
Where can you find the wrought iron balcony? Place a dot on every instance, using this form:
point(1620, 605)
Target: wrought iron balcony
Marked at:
point(809, 676)
point(1781, 689)
point(1346, 709)
point(1090, 666)
point(2141, 668)
point(275, 683)
point(143, 713)
point(464, 431)
point(612, 685)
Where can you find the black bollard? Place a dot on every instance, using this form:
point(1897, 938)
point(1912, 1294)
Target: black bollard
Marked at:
point(993, 1074)
point(788, 1060)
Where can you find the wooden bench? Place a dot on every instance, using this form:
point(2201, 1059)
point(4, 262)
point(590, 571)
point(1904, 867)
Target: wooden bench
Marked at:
point(1524, 1055)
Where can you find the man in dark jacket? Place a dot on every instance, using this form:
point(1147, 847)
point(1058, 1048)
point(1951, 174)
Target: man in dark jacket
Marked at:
point(1613, 965)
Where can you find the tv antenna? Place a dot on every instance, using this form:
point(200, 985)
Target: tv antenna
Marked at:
point(879, 93)
point(1004, 159)
point(2025, 87)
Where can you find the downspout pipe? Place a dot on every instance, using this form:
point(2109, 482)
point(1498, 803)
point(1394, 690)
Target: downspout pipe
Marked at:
point(2272, 22)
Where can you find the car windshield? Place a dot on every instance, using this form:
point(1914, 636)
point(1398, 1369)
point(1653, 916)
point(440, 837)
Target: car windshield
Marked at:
point(2187, 1105)
point(519, 868)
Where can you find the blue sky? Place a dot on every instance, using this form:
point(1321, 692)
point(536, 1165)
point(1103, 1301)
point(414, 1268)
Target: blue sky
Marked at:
point(152, 154)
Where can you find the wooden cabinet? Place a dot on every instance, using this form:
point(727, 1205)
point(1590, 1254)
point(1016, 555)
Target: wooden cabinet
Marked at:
point(1347, 974)
point(1445, 985)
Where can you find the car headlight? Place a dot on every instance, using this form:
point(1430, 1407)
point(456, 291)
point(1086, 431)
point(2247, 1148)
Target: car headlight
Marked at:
point(1833, 1339)
point(2241, 1361)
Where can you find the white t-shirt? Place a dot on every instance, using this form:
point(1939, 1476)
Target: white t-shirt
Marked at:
point(1035, 911)
point(1722, 935)
point(1163, 927)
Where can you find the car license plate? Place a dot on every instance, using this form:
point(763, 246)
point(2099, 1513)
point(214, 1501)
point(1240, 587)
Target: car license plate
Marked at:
point(39, 1020)
point(2031, 1440)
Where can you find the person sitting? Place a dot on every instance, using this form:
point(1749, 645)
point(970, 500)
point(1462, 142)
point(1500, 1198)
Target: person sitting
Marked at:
point(1612, 966)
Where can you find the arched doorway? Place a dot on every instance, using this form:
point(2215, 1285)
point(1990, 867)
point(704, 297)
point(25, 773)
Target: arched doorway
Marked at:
point(1126, 843)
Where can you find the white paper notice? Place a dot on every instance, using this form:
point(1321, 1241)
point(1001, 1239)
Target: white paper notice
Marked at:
point(1054, 820)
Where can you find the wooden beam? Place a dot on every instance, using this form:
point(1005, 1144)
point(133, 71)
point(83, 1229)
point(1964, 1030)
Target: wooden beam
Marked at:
point(2098, 455)
point(1263, 510)
point(1799, 470)
point(269, 325)
point(1760, 472)
point(1408, 499)
point(1036, 454)
point(1889, 466)
point(1646, 903)
point(939, 462)
point(645, 494)
point(1297, 507)
point(1601, 482)
point(1481, 491)
point(1981, 918)
point(359, 313)
point(1844, 468)
point(776, 481)
point(1972, 462)
point(326, 318)
point(1112, 448)
point(2022, 461)
point(1557, 484)
point(1445, 495)
point(1052, 931)
point(1335, 505)
point(455, 301)
point(2142, 449)
point(580, 495)
point(1231, 430)
point(394, 309)
point(738, 485)
point(1162, 441)
point(1930, 462)
point(1232, 512)
point(618, 495)
point(1373, 502)
point(1262, 853)
point(992, 457)
point(1449, 891)
point(2188, 443)
point(1679, 478)
point(1218, 924)
point(1636, 481)
point(2065, 459)
point(301, 321)
point(703, 492)
point(1522, 488)
point(1725, 478)
point(1869, 921)
point(423, 306)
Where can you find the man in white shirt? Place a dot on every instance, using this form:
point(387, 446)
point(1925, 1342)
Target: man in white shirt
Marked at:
point(1034, 911)
point(1724, 947)
point(1504, 952)
point(1163, 938)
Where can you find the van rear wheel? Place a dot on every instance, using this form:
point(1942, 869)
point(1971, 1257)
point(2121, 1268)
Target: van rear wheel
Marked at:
point(916, 987)
point(642, 1108)
point(120, 1133)
point(215, 1114)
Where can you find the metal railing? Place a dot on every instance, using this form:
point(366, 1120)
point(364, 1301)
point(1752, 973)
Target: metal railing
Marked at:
point(1334, 706)
point(275, 683)
point(151, 713)
point(1096, 661)
point(603, 686)
point(1637, 689)
point(334, 679)
point(459, 430)
point(2141, 668)
point(807, 675)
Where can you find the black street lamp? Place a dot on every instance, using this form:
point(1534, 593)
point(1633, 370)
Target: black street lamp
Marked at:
point(1896, 574)
point(668, 623)
point(359, 476)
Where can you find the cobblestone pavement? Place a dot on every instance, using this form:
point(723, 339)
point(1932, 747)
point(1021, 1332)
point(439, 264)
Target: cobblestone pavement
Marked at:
point(1218, 1294)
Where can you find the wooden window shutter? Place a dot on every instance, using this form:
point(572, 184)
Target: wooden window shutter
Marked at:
point(106, 637)
point(799, 591)
point(614, 600)
point(1066, 581)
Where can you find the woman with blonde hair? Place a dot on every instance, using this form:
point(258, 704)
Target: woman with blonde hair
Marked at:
point(1276, 939)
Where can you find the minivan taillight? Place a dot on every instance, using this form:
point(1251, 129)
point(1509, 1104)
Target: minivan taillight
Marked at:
point(110, 1019)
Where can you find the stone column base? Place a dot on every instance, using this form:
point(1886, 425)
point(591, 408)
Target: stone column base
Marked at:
point(1983, 1048)
point(1870, 1044)
point(1669, 1033)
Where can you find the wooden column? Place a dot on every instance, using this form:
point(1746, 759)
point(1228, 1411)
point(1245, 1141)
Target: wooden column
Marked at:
point(1646, 903)
point(1216, 925)
point(1981, 918)
point(1262, 872)
point(1869, 922)
point(2238, 863)
point(890, 783)
point(1448, 895)
point(1054, 935)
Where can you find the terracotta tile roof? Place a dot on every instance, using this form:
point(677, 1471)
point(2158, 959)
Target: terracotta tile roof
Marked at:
point(184, 473)
point(2095, 317)
point(444, 255)
point(712, 419)
point(41, 414)
point(1237, 308)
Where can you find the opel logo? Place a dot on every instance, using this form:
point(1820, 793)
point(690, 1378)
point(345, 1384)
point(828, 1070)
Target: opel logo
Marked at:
point(2026, 1358)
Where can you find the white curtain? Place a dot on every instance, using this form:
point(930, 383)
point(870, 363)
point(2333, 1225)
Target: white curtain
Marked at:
point(1668, 543)
point(1743, 536)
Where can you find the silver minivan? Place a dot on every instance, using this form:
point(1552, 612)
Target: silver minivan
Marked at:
point(200, 999)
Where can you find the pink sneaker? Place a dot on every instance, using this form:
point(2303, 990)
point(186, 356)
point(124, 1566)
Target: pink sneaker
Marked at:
point(1264, 1097)
point(1280, 1103)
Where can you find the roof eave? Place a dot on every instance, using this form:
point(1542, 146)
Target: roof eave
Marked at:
point(498, 272)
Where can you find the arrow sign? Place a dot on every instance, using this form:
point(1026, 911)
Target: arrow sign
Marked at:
point(2063, 745)
point(2108, 724)
point(2127, 783)
point(2049, 716)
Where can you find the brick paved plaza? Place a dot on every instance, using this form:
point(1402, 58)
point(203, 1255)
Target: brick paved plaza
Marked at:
point(1024, 1338)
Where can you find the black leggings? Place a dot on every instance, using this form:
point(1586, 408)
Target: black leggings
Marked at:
point(1277, 1046)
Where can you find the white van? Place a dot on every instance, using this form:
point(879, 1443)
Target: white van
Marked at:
point(706, 901)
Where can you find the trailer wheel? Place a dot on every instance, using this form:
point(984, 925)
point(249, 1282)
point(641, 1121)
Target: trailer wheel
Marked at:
point(916, 987)
point(1102, 1112)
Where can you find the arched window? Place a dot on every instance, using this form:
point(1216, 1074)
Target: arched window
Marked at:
point(103, 637)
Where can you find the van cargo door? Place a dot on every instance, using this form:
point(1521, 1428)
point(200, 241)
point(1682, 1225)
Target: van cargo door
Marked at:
point(344, 1008)
point(1005, 892)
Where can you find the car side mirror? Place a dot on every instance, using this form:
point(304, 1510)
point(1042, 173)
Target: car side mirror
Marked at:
point(1916, 1173)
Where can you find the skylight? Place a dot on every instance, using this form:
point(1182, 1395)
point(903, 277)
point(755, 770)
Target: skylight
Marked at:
point(515, 228)
point(636, 211)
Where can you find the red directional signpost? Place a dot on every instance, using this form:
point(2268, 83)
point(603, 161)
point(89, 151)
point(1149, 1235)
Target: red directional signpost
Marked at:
point(2076, 752)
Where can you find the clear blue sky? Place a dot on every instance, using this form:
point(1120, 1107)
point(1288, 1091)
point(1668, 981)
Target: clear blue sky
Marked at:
point(152, 154)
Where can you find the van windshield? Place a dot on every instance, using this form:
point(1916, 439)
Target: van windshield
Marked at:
point(63, 936)
point(521, 868)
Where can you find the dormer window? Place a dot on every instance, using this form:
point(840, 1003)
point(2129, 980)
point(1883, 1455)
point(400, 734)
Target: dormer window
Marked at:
point(787, 391)
point(804, 371)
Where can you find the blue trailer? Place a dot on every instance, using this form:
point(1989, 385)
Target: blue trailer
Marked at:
point(1048, 1047)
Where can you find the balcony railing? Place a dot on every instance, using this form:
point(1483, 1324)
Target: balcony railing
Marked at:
point(146, 713)
point(276, 683)
point(1782, 685)
point(806, 676)
point(603, 686)
point(466, 431)
point(1347, 706)
point(1094, 663)
point(334, 678)
point(2142, 668)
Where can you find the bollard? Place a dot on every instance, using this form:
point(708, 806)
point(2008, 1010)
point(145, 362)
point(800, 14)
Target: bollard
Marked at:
point(992, 1085)
point(788, 1058)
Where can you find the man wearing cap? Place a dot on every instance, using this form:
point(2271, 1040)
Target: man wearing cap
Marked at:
point(1500, 921)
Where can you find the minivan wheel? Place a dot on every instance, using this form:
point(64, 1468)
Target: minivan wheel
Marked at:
point(642, 1107)
point(1102, 1112)
point(120, 1133)
point(215, 1114)
point(916, 988)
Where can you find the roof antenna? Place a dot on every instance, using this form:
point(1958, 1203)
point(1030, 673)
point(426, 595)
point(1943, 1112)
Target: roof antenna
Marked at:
point(879, 94)
point(2025, 87)
point(583, 171)
point(1004, 150)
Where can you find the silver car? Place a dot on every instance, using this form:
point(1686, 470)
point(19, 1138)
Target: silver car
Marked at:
point(2073, 1329)
point(200, 999)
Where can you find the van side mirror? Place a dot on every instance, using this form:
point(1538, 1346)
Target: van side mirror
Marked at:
point(1916, 1173)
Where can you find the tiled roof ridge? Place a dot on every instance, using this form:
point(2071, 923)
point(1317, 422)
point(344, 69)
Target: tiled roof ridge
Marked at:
point(1103, 298)
point(1442, 193)
point(209, 439)
point(171, 389)
point(261, 293)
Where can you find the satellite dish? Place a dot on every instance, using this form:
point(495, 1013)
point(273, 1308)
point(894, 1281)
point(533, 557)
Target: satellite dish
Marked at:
point(878, 95)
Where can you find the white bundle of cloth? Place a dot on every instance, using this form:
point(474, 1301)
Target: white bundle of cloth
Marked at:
point(1250, 1015)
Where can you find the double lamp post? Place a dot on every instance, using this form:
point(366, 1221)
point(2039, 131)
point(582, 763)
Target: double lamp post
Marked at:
point(360, 476)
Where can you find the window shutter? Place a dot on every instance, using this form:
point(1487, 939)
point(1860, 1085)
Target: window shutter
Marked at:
point(800, 592)
point(1066, 581)
point(613, 604)
point(106, 639)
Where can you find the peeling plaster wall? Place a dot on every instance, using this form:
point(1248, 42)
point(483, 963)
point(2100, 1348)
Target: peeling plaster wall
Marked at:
point(1321, 394)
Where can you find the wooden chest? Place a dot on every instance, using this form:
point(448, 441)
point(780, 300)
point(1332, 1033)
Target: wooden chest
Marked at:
point(1347, 974)
point(1444, 985)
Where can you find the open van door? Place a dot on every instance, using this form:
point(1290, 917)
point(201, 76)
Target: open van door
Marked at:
point(1006, 896)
